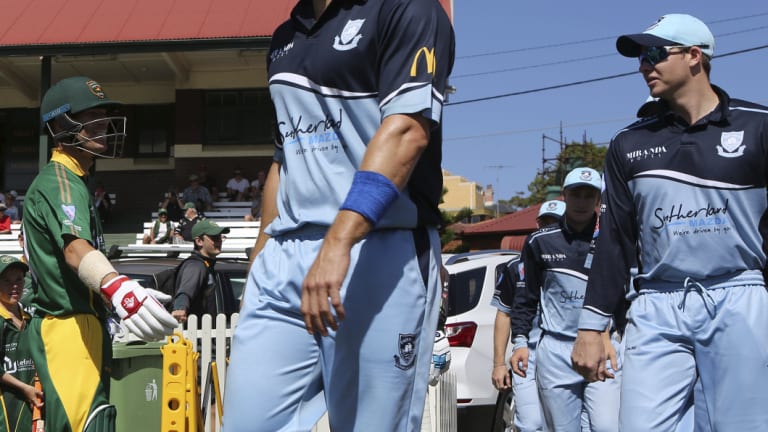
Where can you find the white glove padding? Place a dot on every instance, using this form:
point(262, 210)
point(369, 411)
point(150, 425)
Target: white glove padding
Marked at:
point(159, 295)
point(441, 357)
point(141, 313)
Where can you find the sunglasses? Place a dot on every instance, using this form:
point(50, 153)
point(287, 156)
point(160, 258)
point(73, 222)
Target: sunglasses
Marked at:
point(656, 54)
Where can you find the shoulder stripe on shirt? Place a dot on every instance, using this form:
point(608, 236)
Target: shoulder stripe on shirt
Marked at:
point(750, 109)
point(546, 232)
point(65, 193)
point(678, 176)
point(405, 88)
point(569, 272)
point(300, 81)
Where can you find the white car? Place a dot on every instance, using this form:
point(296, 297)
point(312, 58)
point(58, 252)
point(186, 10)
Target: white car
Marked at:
point(469, 327)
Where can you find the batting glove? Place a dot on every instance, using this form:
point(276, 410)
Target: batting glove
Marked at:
point(142, 314)
point(159, 295)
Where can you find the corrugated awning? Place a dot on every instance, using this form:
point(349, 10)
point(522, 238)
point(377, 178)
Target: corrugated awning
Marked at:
point(40, 27)
point(33, 27)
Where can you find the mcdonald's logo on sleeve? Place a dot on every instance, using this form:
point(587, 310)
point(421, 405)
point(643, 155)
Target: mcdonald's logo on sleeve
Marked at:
point(429, 58)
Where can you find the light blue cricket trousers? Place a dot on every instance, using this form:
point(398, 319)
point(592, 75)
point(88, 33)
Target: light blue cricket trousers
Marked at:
point(718, 327)
point(528, 416)
point(566, 396)
point(373, 370)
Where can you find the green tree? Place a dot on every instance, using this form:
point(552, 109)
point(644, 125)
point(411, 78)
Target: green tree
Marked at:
point(573, 155)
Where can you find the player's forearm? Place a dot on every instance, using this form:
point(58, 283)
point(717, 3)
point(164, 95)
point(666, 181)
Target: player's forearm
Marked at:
point(501, 332)
point(268, 207)
point(96, 272)
point(388, 163)
point(396, 147)
point(9, 381)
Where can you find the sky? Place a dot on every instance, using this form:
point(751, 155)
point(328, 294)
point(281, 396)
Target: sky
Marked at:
point(510, 46)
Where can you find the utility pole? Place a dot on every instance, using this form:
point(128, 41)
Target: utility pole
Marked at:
point(498, 168)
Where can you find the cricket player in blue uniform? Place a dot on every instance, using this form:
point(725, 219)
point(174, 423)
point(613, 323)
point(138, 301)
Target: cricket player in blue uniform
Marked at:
point(527, 408)
point(344, 290)
point(685, 198)
point(557, 264)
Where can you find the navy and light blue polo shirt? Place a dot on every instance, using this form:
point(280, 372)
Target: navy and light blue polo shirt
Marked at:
point(556, 273)
point(333, 81)
point(688, 201)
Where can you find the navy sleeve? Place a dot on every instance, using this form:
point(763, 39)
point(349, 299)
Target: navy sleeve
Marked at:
point(504, 292)
point(615, 250)
point(527, 295)
point(416, 58)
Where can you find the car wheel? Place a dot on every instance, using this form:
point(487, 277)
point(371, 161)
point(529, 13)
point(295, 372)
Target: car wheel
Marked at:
point(503, 413)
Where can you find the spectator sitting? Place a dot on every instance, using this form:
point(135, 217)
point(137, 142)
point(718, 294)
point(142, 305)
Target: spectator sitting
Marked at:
point(257, 185)
point(255, 213)
point(5, 220)
point(207, 181)
point(237, 187)
point(173, 204)
point(161, 231)
point(183, 229)
point(11, 209)
point(197, 194)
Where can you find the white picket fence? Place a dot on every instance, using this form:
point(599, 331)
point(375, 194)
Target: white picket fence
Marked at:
point(211, 340)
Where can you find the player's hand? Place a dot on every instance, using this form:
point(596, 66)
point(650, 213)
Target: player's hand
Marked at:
point(33, 396)
point(610, 353)
point(519, 361)
point(588, 356)
point(322, 289)
point(500, 377)
point(142, 314)
point(180, 315)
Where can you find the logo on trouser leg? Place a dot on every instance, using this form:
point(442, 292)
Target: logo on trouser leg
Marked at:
point(406, 345)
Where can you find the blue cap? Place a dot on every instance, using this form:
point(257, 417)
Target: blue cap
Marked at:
point(583, 176)
point(554, 208)
point(669, 30)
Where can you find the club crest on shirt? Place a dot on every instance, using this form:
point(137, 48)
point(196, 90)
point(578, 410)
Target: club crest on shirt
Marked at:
point(406, 346)
point(69, 211)
point(731, 144)
point(349, 36)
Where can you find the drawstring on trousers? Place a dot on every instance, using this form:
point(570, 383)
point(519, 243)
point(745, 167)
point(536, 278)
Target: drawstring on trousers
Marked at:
point(691, 285)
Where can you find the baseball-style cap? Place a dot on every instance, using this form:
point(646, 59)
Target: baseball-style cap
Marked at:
point(193, 177)
point(7, 261)
point(669, 30)
point(583, 176)
point(554, 208)
point(162, 211)
point(189, 205)
point(73, 95)
point(208, 228)
point(3, 207)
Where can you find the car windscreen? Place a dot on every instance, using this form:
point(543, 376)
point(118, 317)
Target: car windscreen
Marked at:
point(147, 281)
point(464, 290)
point(237, 279)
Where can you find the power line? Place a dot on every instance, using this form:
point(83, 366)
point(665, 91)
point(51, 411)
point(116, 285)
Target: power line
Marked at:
point(584, 41)
point(579, 59)
point(576, 83)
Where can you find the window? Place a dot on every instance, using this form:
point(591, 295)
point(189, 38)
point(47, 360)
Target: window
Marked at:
point(238, 117)
point(150, 130)
point(464, 290)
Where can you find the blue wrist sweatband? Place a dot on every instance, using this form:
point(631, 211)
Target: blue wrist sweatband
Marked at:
point(370, 195)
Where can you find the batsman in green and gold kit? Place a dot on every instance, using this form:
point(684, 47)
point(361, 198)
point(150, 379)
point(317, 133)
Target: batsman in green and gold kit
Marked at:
point(76, 285)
